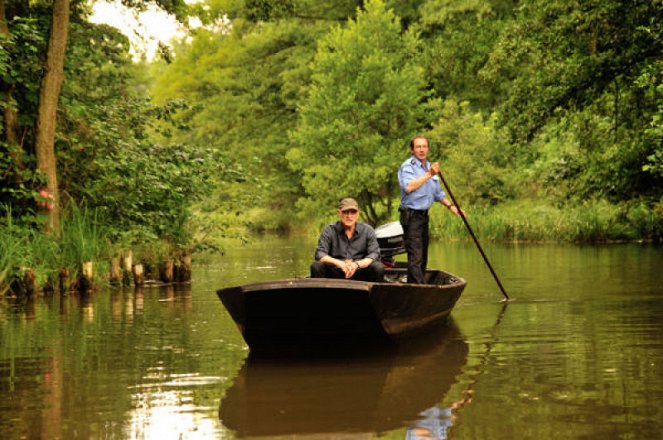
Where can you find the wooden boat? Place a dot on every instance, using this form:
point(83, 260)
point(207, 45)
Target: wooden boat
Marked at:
point(337, 310)
point(312, 309)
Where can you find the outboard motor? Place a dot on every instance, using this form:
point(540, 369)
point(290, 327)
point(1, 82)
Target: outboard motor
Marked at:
point(390, 240)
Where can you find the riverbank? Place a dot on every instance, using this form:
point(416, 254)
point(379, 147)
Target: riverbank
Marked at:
point(83, 256)
point(587, 222)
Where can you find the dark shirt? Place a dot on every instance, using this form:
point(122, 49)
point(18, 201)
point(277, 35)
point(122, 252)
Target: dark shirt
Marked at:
point(335, 243)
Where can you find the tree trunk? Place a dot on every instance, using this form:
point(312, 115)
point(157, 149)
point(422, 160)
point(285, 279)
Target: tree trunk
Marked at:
point(49, 95)
point(9, 117)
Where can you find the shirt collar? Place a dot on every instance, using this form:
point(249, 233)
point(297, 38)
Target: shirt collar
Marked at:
point(416, 161)
point(339, 227)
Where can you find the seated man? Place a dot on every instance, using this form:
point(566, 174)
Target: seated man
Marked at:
point(348, 249)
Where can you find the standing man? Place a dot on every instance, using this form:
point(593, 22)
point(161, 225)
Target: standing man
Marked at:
point(420, 188)
point(348, 249)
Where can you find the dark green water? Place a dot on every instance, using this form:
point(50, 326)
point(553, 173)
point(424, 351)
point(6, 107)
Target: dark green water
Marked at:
point(577, 354)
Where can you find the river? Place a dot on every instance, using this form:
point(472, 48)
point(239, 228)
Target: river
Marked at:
point(576, 354)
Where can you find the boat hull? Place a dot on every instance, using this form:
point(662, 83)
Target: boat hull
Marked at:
point(322, 309)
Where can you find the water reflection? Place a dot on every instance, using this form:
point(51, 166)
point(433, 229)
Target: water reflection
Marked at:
point(109, 364)
point(340, 395)
point(578, 354)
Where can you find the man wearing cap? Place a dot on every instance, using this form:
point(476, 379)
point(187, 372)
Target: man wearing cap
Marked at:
point(348, 249)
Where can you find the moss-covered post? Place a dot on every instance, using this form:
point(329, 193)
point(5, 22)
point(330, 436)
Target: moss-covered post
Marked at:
point(127, 268)
point(63, 277)
point(86, 278)
point(184, 269)
point(115, 275)
point(139, 278)
point(166, 271)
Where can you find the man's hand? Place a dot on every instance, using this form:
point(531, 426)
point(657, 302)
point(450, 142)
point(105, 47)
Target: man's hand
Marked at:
point(349, 268)
point(454, 209)
point(434, 168)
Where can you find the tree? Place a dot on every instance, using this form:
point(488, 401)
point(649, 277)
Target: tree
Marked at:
point(581, 72)
point(459, 36)
point(32, 71)
point(48, 104)
point(365, 100)
point(245, 81)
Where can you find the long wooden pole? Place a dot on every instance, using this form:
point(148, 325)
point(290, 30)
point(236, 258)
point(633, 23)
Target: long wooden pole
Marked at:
point(476, 241)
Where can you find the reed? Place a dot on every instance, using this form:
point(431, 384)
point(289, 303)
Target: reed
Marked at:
point(586, 222)
point(12, 251)
point(82, 238)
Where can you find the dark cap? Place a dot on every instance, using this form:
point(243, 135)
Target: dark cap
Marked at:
point(348, 203)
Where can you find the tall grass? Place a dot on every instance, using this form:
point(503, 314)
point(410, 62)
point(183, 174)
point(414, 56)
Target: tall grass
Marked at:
point(12, 246)
point(587, 222)
point(81, 238)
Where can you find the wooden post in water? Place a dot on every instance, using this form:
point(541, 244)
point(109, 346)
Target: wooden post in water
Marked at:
point(148, 269)
point(86, 279)
point(63, 277)
point(29, 281)
point(128, 264)
point(139, 278)
point(115, 275)
point(185, 268)
point(49, 285)
point(166, 271)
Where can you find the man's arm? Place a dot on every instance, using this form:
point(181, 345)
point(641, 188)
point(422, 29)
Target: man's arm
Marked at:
point(372, 249)
point(410, 183)
point(325, 244)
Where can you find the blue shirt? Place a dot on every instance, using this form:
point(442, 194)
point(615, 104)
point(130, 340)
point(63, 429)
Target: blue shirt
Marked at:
point(423, 197)
point(335, 243)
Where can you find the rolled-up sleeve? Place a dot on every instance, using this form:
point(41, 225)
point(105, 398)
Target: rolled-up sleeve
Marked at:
point(372, 246)
point(325, 243)
point(406, 174)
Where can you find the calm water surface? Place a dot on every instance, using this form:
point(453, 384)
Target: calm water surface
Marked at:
point(578, 353)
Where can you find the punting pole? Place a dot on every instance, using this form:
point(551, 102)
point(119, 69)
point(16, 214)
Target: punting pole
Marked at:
point(476, 241)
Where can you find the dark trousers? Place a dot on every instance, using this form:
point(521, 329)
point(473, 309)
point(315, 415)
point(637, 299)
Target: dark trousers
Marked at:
point(415, 236)
point(374, 272)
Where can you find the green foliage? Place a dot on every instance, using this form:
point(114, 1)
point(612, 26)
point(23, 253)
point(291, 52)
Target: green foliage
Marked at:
point(365, 97)
point(245, 85)
point(459, 138)
point(143, 190)
point(459, 37)
point(114, 150)
point(565, 54)
point(20, 62)
point(275, 104)
point(19, 183)
point(581, 156)
point(539, 101)
point(108, 155)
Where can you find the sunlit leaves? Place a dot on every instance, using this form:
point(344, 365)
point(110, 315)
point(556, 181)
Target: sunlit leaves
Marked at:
point(365, 98)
